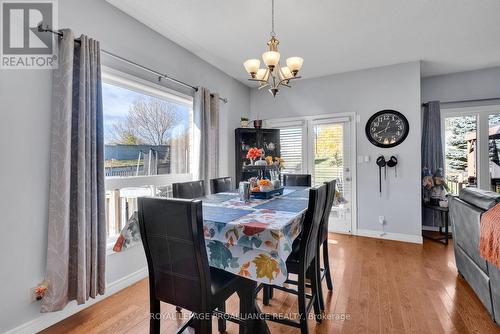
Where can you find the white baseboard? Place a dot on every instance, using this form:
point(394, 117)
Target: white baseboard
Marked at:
point(48, 319)
point(417, 239)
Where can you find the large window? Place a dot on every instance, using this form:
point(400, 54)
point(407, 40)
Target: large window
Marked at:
point(460, 153)
point(148, 140)
point(471, 138)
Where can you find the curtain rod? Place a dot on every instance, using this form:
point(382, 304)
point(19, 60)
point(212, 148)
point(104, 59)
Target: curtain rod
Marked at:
point(41, 28)
point(464, 101)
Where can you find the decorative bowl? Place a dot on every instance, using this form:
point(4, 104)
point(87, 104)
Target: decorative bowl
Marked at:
point(266, 188)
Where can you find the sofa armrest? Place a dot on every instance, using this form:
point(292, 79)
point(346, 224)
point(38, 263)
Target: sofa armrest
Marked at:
point(481, 198)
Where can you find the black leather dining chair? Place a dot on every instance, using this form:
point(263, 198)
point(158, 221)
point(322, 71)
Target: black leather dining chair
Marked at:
point(323, 273)
point(220, 185)
point(303, 180)
point(304, 262)
point(189, 190)
point(179, 274)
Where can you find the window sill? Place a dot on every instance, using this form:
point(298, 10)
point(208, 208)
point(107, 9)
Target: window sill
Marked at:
point(111, 243)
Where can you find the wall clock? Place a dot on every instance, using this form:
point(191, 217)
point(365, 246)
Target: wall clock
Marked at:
point(387, 128)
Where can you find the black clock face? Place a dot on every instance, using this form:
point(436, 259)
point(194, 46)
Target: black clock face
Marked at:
point(387, 128)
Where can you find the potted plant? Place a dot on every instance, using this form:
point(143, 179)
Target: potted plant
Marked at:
point(244, 122)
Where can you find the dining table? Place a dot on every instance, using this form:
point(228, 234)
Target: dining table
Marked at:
point(253, 238)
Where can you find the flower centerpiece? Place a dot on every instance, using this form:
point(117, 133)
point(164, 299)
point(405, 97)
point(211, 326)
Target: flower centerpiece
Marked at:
point(265, 185)
point(254, 153)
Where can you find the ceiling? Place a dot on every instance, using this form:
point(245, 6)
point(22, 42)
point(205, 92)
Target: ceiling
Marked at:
point(332, 36)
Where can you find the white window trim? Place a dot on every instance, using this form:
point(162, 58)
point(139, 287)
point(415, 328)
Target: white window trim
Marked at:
point(482, 114)
point(127, 81)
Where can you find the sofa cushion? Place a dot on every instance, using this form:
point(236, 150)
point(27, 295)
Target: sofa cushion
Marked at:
point(481, 198)
point(477, 279)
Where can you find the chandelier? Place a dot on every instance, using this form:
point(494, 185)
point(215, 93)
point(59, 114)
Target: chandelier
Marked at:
point(273, 75)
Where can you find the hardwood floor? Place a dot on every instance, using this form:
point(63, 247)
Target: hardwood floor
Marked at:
point(380, 286)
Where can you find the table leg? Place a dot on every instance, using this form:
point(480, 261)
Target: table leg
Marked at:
point(250, 310)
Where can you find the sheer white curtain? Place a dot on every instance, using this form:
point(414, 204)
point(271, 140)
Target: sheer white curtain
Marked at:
point(206, 136)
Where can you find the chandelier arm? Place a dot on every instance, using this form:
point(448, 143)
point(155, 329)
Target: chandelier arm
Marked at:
point(257, 80)
point(284, 82)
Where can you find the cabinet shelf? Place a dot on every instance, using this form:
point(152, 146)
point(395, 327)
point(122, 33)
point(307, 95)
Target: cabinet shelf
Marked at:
point(245, 138)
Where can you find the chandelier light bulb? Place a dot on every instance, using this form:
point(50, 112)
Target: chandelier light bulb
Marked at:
point(252, 66)
point(271, 59)
point(294, 64)
point(285, 73)
point(262, 74)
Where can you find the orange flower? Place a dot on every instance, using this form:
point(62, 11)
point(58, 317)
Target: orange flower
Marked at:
point(254, 153)
point(265, 183)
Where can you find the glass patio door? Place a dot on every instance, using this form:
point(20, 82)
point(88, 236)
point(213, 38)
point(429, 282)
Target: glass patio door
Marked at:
point(471, 138)
point(330, 158)
point(324, 148)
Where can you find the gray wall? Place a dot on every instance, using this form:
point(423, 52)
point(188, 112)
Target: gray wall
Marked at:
point(366, 92)
point(25, 109)
point(480, 84)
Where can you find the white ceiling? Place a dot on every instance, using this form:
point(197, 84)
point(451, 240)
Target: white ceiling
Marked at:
point(333, 36)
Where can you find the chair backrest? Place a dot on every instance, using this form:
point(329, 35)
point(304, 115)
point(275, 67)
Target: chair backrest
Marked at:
point(303, 180)
point(330, 196)
point(312, 224)
point(173, 240)
point(189, 190)
point(220, 185)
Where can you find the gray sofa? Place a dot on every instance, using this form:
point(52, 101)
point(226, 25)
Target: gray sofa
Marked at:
point(482, 276)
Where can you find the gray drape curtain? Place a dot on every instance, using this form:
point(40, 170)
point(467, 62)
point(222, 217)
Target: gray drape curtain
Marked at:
point(432, 151)
point(206, 142)
point(76, 250)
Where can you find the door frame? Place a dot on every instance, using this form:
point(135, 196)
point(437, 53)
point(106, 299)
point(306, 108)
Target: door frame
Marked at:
point(307, 149)
point(482, 123)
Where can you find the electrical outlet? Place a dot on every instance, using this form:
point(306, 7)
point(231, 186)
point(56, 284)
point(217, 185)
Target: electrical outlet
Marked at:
point(381, 220)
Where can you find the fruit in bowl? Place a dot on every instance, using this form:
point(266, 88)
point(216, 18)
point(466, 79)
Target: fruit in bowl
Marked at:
point(265, 185)
point(255, 189)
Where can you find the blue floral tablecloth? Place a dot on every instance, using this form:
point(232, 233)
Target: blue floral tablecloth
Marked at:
point(253, 239)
